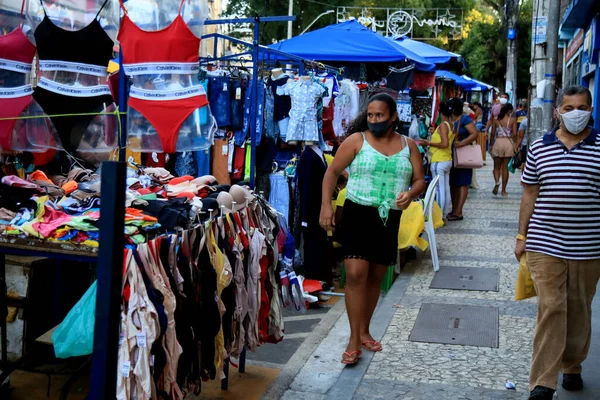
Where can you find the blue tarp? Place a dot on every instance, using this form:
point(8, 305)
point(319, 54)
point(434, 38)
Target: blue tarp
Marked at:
point(481, 87)
point(428, 52)
point(349, 42)
point(465, 84)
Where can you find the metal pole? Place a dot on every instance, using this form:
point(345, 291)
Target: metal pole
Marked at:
point(122, 109)
point(290, 23)
point(512, 16)
point(254, 102)
point(544, 59)
point(109, 271)
point(316, 19)
point(551, 61)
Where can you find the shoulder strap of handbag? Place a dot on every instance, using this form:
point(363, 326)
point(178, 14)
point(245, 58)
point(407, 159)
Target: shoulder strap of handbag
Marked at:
point(508, 127)
point(458, 129)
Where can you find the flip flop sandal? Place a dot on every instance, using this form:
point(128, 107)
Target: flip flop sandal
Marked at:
point(350, 360)
point(372, 345)
point(455, 218)
point(495, 191)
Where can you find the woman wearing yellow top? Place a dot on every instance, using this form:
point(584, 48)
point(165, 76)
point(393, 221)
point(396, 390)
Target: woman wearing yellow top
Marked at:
point(440, 148)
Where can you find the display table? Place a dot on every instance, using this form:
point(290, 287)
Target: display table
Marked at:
point(31, 248)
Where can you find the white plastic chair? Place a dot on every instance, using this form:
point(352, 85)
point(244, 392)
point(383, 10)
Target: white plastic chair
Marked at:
point(428, 214)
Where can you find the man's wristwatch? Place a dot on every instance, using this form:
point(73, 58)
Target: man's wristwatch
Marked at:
point(521, 237)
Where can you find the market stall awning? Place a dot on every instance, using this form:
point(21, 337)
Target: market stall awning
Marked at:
point(481, 87)
point(460, 81)
point(350, 42)
point(430, 53)
point(579, 14)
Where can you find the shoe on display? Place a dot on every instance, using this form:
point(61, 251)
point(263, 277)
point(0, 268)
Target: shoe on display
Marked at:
point(541, 393)
point(572, 382)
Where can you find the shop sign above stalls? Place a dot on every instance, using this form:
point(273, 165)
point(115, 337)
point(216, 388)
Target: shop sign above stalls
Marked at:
point(591, 46)
point(416, 23)
point(575, 45)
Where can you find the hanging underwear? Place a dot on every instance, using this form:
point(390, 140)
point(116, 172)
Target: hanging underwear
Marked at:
point(86, 51)
point(13, 101)
point(172, 50)
point(80, 100)
point(16, 55)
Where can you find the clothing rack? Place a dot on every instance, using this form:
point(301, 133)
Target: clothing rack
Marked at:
point(109, 259)
point(261, 56)
point(104, 357)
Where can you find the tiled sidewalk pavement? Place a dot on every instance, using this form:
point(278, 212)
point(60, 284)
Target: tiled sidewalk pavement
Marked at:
point(410, 370)
point(484, 239)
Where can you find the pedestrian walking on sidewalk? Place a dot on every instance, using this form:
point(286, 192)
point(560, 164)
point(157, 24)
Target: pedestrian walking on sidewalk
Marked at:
point(558, 232)
point(386, 174)
point(460, 178)
point(504, 146)
point(440, 149)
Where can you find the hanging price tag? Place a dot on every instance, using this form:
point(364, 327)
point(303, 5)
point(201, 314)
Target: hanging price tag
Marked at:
point(121, 339)
point(225, 149)
point(152, 361)
point(225, 87)
point(140, 338)
point(154, 157)
point(238, 93)
point(126, 368)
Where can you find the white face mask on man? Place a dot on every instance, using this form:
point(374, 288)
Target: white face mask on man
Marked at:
point(503, 100)
point(575, 121)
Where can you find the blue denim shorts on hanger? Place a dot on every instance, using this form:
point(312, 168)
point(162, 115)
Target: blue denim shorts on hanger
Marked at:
point(237, 105)
point(219, 97)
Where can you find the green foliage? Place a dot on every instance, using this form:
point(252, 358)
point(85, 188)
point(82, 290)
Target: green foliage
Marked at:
point(485, 51)
point(524, 47)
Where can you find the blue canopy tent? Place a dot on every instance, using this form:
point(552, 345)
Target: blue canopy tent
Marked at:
point(464, 84)
point(349, 42)
point(480, 86)
point(435, 55)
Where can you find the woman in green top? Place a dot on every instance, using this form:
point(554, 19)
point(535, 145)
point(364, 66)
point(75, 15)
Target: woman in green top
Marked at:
point(386, 174)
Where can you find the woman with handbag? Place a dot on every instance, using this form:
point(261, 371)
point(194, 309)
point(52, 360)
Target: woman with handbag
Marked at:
point(440, 149)
point(460, 178)
point(504, 147)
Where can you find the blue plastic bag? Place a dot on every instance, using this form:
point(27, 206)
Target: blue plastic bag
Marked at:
point(75, 335)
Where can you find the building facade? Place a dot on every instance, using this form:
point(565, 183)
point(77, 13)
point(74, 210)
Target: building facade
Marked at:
point(580, 36)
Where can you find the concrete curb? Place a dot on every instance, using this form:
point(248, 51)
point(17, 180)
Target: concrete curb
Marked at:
point(350, 378)
point(308, 347)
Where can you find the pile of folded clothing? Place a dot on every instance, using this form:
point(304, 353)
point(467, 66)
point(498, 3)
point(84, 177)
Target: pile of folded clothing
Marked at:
point(67, 208)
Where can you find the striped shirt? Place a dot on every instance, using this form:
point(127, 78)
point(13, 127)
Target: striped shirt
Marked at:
point(566, 218)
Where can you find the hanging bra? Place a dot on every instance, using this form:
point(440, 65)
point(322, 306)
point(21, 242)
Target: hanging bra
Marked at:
point(16, 55)
point(86, 51)
point(172, 50)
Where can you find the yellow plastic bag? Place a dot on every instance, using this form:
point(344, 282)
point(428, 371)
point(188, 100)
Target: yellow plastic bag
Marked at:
point(412, 224)
point(524, 286)
point(437, 216)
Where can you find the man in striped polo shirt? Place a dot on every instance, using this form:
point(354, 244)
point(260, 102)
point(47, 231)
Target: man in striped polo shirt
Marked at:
point(559, 231)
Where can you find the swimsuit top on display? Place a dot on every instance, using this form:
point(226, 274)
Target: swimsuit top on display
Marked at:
point(16, 51)
point(86, 51)
point(173, 49)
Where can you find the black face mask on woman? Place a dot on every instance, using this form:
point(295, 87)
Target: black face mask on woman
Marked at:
point(379, 129)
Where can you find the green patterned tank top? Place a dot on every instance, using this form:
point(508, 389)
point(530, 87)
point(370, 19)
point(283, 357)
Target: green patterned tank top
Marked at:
point(376, 180)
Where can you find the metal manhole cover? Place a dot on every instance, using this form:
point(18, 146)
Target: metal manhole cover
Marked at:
point(463, 278)
point(504, 224)
point(457, 324)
